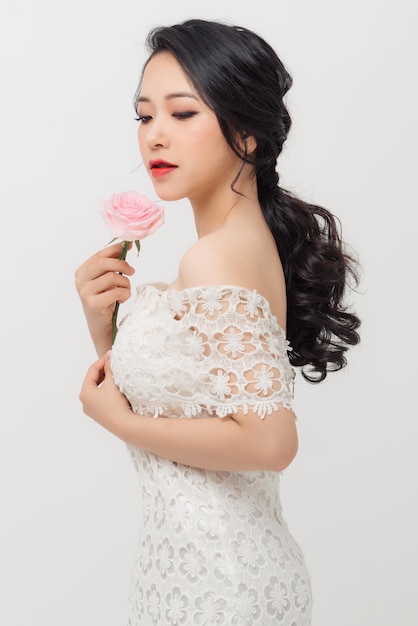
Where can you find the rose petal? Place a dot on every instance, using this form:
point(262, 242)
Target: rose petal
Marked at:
point(131, 216)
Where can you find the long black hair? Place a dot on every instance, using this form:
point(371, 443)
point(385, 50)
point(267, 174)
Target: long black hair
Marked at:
point(240, 77)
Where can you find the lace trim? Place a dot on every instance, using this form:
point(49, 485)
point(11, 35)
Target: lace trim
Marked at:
point(219, 409)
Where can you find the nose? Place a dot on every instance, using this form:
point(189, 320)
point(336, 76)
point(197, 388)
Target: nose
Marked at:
point(156, 133)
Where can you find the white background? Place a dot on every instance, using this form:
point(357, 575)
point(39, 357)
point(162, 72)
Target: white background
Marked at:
point(68, 493)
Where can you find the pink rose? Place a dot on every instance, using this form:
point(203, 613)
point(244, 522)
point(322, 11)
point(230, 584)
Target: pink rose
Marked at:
point(131, 216)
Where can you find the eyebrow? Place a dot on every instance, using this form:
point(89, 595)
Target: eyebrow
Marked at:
point(171, 96)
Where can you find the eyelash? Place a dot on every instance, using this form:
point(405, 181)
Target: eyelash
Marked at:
point(184, 115)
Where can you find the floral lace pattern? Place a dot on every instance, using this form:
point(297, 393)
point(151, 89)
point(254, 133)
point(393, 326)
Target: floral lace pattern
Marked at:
point(214, 548)
point(211, 350)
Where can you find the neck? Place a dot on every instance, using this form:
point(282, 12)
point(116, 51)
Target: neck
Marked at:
point(212, 213)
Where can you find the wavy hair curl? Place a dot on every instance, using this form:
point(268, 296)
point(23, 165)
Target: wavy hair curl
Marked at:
point(241, 78)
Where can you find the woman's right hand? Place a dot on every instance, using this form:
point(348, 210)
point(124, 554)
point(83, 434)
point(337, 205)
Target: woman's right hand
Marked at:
point(101, 281)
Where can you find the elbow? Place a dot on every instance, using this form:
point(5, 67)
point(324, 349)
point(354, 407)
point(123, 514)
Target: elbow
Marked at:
point(280, 451)
point(280, 459)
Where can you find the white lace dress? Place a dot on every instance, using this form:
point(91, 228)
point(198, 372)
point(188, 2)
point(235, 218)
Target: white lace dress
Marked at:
point(214, 548)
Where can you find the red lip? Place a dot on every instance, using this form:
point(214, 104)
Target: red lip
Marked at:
point(160, 168)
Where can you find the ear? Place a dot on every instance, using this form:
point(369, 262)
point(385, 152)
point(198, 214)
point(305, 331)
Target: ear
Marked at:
point(250, 144)
point(247, 144)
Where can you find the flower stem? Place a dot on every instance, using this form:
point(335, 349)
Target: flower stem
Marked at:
point(122, 257)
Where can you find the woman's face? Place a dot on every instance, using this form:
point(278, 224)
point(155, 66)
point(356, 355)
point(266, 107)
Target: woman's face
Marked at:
point(179, 137)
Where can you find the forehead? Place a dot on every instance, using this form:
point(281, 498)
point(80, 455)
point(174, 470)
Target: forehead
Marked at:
point(162, 74)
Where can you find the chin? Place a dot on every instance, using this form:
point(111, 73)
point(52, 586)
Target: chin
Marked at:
point(169, 196)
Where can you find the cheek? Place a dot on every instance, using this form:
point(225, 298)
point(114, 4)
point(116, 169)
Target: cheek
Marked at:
point(209, 145)
point(141, 142)
point(142, 137)
point(221, 154)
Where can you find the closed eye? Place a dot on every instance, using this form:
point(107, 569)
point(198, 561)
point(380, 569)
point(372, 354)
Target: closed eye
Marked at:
point(143, 118)
point(184, 115)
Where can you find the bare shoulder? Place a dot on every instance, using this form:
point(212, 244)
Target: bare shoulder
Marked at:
point(216, 259)
point(207, 262)
point(243, 258)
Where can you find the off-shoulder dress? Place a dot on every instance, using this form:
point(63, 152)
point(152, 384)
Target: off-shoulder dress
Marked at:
point(214, 548)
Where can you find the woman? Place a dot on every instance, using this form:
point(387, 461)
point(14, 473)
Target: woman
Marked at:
point(213, 346)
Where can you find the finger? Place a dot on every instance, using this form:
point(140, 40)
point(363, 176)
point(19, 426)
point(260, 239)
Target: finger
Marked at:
point(107, 362)
point(104, 283)
point(106, 259)
point(105, 302)
point(99, 266)
point(104, 265)
point(95, 373)
point(114, 287)
point(114, 249)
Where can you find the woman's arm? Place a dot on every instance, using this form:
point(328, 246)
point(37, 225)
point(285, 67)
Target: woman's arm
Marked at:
point(237, 443)
point(101, 282)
